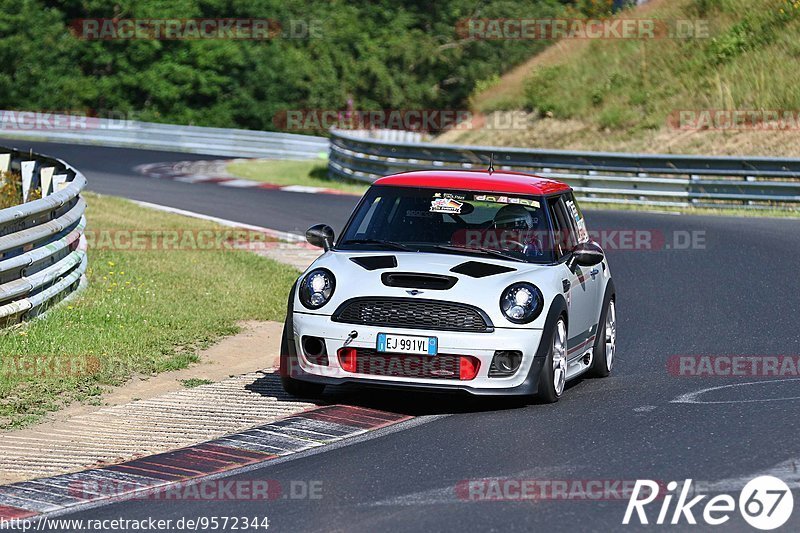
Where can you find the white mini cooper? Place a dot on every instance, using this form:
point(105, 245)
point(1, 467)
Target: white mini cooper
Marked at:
point(453, 280)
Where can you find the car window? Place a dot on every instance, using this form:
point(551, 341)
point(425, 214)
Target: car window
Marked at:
point(564, 231)
point(427, 219)
point(576, 218)
point(368, 217)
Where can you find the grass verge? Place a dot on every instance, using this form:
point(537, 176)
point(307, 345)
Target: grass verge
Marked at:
point(309, 173)
point(627, 94)
point(144, 311)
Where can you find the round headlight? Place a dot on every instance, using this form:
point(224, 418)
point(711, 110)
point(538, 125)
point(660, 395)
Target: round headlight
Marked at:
point(317, 288)
point(521, 303)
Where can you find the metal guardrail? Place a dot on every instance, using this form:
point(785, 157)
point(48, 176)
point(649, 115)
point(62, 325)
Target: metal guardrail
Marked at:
point(599, 177)
point(42, 245)
point(154, 136)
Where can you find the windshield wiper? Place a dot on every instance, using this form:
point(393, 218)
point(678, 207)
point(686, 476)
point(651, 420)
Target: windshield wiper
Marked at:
point(390, 244)
point(479, 250)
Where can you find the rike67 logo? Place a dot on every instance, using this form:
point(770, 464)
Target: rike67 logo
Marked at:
point(765, 503)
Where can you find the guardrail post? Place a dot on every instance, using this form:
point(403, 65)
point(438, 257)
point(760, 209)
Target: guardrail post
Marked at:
point(41, 257)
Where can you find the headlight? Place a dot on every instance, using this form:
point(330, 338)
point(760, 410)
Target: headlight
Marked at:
point(521, 303)
point(317, 288)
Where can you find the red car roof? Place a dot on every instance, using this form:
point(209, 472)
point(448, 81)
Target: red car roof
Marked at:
point(476, 180)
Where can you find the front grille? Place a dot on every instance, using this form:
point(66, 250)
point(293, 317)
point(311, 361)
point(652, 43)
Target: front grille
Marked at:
point(413, 314)
point(442, 366)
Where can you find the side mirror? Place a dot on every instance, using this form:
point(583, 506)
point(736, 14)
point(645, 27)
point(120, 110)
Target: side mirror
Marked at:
point(321, 236)
point(587, 254)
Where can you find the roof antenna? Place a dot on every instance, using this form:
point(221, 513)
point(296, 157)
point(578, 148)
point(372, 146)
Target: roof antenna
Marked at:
point(491, 163)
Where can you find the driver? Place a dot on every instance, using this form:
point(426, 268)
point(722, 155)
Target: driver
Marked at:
point(517, 230)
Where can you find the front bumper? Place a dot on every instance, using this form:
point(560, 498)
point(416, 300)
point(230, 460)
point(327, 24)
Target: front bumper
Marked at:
point(478, 345)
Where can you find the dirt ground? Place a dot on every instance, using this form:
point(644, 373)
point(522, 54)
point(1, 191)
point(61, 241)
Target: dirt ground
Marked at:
point(232, 356)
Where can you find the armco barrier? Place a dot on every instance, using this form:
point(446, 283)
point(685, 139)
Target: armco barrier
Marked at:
point(42, 246)
point(154, 136)
point(657, 180)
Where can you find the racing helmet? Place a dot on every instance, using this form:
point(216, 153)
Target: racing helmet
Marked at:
point(523, 226)
point(514, 217)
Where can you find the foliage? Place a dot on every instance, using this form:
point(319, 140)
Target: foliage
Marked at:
point(379, 55)
point(11, 190)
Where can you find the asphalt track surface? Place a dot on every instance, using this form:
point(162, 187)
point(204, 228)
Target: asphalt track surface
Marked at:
point(738, 295)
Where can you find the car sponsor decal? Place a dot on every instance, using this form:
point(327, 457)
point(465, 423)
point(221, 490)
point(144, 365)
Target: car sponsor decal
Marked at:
point(446, 205)
point(506, 200)
point(583, 235)
point(449, 195)
point(412, 213)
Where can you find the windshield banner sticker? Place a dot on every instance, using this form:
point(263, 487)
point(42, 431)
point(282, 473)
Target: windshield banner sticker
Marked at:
point(450, 195)
point(446, 205)
point(506, 200)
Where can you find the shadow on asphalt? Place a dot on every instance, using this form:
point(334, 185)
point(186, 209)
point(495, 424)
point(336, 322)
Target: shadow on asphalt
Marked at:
point(407, 402)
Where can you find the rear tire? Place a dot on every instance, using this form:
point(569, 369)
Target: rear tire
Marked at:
point(605, 347)
point(553, 377)
point(294, 387)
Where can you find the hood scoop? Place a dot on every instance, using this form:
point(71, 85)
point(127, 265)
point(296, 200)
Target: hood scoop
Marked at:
point(375, 262)
point(416, 280)
point(476, 269)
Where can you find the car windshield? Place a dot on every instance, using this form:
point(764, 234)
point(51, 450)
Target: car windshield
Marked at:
point(504, 226)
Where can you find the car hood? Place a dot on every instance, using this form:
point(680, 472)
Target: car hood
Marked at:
point(479, 280)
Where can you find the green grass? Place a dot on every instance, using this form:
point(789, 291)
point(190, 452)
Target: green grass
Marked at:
point(748, 61)
point(142, 312)
point(310, 173)
point(192, 383)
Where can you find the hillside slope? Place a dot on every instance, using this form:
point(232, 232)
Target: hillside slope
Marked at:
point(628, 95)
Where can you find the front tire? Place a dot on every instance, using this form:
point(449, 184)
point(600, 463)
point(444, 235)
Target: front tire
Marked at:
point(605, 348)
point(553, 377)
point(294, 387)
point(301, 389)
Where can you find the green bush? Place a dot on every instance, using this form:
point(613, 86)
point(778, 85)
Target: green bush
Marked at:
point(379, 55)
point(10, 189)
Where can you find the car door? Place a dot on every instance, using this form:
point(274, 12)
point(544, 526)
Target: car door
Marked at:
point(581, 283)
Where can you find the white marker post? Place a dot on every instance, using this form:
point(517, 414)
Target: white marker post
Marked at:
point(59, 182)
point(46, 178)
point(27, 169)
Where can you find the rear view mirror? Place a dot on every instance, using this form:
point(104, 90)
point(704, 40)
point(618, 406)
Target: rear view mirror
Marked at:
point(321, 236)
point(587, 254)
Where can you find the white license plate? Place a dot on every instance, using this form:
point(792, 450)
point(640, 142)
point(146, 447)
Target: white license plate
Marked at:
point(407, 344)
